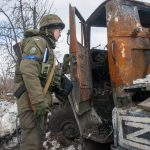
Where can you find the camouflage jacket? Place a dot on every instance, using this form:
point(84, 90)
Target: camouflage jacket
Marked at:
point(31, 72)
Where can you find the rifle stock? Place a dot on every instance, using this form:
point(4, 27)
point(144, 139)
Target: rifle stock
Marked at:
point(18, 51)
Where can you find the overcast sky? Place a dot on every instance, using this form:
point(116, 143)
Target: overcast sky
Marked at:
point(85, 7)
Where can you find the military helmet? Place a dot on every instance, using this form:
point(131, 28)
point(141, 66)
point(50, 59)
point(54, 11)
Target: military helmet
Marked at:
point(51, 20)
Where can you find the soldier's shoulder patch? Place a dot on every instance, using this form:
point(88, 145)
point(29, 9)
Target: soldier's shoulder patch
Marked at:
point(33, 50)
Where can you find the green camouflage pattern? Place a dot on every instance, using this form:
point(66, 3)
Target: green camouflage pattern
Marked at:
point(31, 33)
point(57, 78)
point(65, 66)
point(31, 73)
point(51, 19)
point(30, 139)
point(18, 76)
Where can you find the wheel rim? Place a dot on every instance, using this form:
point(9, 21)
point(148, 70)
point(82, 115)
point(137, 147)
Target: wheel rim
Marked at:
point(69, 129)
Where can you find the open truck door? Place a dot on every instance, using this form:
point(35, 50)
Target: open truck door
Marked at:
point(81, 77)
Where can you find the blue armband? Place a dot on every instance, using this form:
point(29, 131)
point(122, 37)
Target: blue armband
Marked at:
point(36, 58)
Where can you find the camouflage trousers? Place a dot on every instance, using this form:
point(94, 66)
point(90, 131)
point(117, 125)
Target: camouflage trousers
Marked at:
point(30, 137)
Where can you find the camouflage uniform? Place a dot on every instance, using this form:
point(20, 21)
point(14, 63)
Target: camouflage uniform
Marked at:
point(30, 68)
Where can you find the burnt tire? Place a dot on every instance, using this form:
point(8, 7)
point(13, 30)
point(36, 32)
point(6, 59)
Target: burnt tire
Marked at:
point(62, 124)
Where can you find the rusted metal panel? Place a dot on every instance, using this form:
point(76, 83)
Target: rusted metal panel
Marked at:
point(80, 67)
point(73, 39)
point(128, 42)
point(84, 72)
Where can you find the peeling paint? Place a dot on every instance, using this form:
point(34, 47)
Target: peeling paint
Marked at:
point(123, 50)
point(116, 19)
point(139, 26)
point(109, 17)
point(143, 80)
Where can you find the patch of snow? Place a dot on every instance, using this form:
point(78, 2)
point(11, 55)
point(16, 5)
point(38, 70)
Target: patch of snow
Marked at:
point(123, 50)
point(11, 144)
point(69, 148)
point(144, 80)
point(116, 19)
point(8, 112)
point(51, 143)
point(109, 18)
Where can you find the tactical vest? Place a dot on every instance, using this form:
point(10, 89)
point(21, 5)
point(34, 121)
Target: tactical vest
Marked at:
point(46, 62)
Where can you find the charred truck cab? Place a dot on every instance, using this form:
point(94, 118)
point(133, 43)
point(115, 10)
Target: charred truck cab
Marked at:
point(108, 104)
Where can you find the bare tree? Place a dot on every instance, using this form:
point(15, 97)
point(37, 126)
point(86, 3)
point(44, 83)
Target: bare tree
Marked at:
point(6, 82)
point(18, 16)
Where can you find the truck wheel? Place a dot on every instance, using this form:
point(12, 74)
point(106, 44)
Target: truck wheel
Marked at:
point(62, 121)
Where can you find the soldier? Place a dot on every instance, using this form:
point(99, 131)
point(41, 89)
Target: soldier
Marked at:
point(38, 61)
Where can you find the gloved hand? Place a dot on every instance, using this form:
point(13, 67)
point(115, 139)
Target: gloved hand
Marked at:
point(40, 109)
point(66, 60)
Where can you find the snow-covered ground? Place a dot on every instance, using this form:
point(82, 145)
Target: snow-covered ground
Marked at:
point(8, 113)
point(141, 81)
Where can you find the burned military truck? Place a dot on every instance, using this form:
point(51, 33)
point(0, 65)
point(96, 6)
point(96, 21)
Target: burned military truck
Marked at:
point(107, 103)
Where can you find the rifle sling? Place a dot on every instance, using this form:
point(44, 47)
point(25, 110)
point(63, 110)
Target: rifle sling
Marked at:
point(52, 71)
